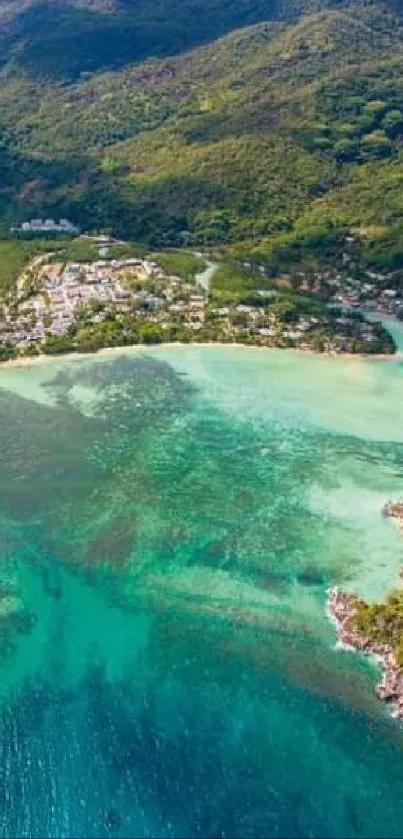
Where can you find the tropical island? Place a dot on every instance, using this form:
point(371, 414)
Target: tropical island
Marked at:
point(375, 629)
point(89, 292)
point(193, 171)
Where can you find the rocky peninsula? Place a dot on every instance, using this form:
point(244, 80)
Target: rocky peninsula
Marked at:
point(375, 629)
point(342, 609)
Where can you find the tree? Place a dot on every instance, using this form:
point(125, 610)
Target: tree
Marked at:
point(392, 124)
point(346, 150)
point(376, 107)
point(364, 123)
point(285, 310)
point(376, 145)
point(150, 333)
point(7, 351)
point(55, 344)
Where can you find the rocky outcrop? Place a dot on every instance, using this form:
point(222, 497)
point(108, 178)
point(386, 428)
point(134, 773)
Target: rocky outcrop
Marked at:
point(394, 510)
point(342, 609)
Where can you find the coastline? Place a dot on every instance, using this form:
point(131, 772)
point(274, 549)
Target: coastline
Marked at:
point(341, 609)
point(44, 358)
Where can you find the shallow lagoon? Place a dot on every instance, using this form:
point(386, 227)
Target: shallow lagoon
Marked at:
point(171, 520)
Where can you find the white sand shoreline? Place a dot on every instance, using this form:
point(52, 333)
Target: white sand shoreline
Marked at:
point(43, 358)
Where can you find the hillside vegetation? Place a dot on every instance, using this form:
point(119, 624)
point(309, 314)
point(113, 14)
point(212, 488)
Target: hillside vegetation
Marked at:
point(274, 135)
point(63, 39)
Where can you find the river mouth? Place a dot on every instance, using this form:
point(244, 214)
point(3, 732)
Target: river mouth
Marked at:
point(171, 521)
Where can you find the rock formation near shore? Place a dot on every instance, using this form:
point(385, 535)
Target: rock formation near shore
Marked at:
point(343, 609)
point(394, 510)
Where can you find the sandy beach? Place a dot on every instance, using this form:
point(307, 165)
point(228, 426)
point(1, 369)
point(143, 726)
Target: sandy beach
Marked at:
point(43, 358)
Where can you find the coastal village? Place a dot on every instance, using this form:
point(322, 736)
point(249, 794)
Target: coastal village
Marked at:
point(371, 291)
point(105, 287)
point(83, 305)
point(348, 280)
point(52, 298)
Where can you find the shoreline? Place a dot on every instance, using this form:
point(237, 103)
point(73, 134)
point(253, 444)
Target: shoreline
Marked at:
point(341, 608)
point(44, 358)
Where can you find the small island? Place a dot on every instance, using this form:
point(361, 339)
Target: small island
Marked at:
point(375, 629)
point(96, 292)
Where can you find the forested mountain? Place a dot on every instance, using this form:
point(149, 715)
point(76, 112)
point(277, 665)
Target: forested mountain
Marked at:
point(275, 133)
point(63, 38)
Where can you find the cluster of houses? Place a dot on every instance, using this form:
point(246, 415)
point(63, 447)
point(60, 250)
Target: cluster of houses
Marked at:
point(350, 285)
point(266, 327)
point(49, 225)
point(53, 298)
point(366, 290)
point(371, 297)
point(63, 292)
point(237, 319)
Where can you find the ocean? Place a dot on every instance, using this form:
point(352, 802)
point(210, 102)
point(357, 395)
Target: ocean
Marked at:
point(171, 520)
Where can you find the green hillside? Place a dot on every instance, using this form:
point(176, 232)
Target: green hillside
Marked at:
point(64, 38)
point(272, 135)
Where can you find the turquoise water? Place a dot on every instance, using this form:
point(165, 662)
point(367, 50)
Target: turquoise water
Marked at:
point(170, 522)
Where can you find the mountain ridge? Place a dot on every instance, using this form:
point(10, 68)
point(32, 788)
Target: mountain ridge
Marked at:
point(271, 129)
